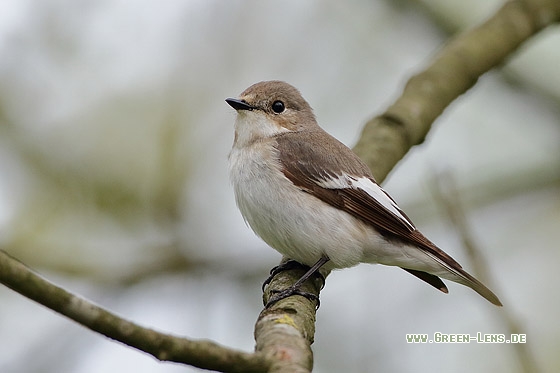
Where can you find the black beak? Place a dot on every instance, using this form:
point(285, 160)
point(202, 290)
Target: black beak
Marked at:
point(238, 104)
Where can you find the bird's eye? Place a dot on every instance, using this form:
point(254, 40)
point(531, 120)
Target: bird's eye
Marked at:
point(278, 107)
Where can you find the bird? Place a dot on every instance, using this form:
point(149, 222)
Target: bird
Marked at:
point(311, 198)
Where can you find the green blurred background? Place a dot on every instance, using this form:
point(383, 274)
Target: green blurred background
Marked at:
point(114, 137)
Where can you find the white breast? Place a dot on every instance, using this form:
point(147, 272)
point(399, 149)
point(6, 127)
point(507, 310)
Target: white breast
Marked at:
point(290, 220)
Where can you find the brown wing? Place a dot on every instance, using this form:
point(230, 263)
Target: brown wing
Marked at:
point(344, 182)
point(300, 160)
point(359, 203)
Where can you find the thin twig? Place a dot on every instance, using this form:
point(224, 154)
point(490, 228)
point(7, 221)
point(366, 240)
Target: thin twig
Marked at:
point(447, 195)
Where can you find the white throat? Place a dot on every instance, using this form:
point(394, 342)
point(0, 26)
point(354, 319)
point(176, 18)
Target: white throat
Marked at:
point(251, 126)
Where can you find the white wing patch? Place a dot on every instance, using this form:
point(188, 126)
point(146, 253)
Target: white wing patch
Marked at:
point(371, 188)
point(338, 182)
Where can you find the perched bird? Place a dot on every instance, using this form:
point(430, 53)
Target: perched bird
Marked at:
point(312, 199)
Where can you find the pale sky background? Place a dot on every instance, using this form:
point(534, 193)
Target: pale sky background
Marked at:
point(114, 137)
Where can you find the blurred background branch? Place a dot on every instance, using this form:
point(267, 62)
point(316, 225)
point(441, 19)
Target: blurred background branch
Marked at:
point(456, 68)
point(448, 197)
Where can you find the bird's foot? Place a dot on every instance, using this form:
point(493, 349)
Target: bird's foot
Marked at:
point(278, 295)
point(284, 266)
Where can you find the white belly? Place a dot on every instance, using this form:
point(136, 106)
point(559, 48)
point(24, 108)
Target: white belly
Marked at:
point(295, 223)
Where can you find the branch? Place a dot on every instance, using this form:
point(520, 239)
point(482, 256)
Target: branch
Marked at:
point(385, 139)
point(200, 353)
point(285, 331)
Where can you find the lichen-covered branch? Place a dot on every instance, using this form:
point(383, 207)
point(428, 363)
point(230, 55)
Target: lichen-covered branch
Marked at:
point(284, 332)
point(388, 137)
point(200, 353)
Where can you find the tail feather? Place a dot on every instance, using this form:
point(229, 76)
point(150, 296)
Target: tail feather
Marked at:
point(445, 267)
point(430, 279)
point(454, 272)
point(460, 277)
point(464, 278)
